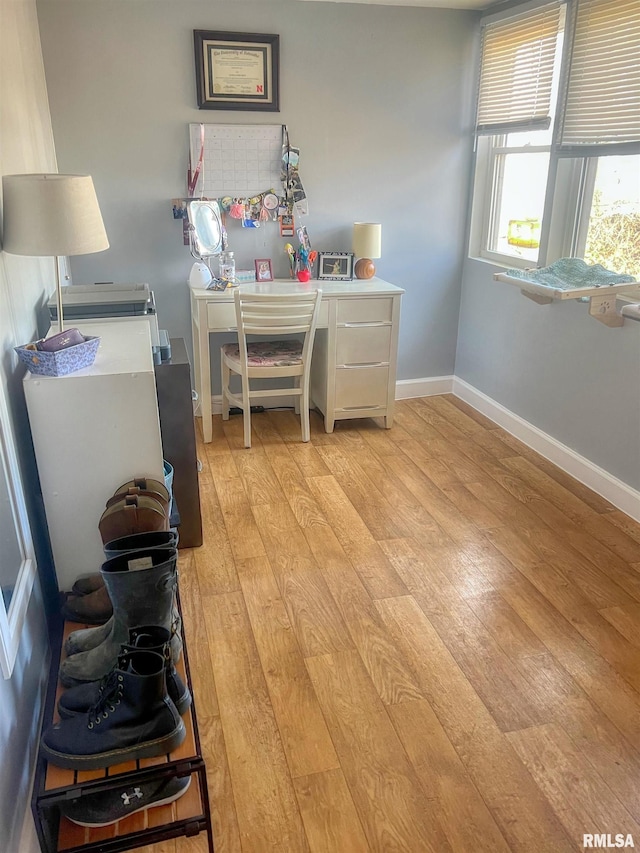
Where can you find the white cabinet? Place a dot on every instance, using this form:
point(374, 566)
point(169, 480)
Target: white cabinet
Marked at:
point(92, 431)
point(353, 370)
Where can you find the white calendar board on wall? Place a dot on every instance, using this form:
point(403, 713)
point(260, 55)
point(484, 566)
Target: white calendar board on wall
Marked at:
point(240, 160)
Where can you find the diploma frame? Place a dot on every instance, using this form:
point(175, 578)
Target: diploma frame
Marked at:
point(237, 71)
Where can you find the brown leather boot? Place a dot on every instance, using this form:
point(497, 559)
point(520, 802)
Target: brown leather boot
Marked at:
point(87, 584)
point(92, 609)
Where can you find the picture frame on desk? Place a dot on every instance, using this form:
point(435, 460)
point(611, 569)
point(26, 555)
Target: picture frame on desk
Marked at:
point(264, 270)
point(335, 266)
point(237, 71)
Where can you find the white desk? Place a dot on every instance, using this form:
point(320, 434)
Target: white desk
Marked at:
point(353, 368)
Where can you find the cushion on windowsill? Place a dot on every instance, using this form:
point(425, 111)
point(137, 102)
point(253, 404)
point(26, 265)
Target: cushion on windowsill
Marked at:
point(268, 353)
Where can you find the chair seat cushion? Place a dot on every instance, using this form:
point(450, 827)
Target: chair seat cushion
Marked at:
point(267, 353)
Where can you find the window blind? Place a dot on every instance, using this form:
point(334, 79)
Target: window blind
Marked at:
point(516, 71)
point(601, 100)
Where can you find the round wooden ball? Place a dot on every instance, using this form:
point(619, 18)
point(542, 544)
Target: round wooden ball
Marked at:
point(365, 268)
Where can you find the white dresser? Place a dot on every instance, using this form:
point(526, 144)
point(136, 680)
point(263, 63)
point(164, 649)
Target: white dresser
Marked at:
point(92, 431)
point(353, 369)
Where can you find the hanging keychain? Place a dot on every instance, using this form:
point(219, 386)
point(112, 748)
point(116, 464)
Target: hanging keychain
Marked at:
point(270, 204)
point(287, 225)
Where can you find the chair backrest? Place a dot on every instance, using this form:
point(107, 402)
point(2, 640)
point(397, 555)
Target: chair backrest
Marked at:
point(277, 314)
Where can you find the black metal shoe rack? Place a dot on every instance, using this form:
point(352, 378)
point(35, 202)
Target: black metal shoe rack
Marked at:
point(188, 815)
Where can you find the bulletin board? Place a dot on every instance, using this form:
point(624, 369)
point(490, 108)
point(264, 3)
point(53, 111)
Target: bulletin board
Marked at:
point(239, 159)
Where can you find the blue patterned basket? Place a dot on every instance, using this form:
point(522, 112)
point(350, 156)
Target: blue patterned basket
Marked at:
point(62, 362)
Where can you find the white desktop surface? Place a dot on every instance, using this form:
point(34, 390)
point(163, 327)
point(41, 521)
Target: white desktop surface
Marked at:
point(356, 287)
point(125, 347)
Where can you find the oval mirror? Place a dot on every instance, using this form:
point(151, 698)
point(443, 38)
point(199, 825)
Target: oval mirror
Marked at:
point(206, 228)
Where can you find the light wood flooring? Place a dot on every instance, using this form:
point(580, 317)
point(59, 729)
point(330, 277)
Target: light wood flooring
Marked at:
point(422, 639)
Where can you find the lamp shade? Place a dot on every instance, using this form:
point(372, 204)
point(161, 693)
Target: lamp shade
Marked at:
point(51, 215)
point(367, 239)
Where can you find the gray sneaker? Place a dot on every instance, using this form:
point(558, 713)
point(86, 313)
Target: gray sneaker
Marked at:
point(105, 807)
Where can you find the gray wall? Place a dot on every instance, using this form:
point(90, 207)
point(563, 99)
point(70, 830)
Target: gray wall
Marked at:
point(379, 99)
point(26, 145)
point(376, 97)
point(556, 367)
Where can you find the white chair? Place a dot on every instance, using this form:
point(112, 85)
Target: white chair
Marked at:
point(270, 314)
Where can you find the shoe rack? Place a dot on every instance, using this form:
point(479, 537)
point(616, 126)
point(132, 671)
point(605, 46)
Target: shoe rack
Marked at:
point(188, 815)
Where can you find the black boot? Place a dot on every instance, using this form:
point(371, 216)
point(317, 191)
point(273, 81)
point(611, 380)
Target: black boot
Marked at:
point(78, 700)
point(141, 542)
point(88, 638)
point(141, 585)
point(133, 718)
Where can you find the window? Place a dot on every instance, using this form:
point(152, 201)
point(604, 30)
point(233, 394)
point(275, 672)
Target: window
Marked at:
point(611, 221)
point(519, 163)
point(543, 193)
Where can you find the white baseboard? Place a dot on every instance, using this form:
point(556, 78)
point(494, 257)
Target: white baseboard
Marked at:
point(609, 487)
point(606, 485)
point(409, 388)
point(405, 390)
point(28, 839)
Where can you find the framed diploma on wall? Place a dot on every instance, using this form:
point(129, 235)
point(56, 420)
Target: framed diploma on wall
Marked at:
point(237, 71)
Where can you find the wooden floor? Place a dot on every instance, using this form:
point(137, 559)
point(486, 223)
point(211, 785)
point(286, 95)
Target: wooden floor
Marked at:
point(422, 639)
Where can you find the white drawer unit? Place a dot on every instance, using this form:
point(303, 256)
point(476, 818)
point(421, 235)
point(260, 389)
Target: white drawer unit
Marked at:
point(353, 368)
point(368, 310)
point(353, 371)
point(359, 388)
point(367, 344)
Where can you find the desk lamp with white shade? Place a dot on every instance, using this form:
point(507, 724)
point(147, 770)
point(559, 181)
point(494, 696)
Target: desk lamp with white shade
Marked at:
point(367, 244)
point(52, 215)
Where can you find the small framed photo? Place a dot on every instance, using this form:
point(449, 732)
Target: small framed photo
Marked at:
point(335, 266)
point(264, 271)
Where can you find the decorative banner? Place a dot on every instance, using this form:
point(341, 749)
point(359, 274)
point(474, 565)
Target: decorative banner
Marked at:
point(293, 190)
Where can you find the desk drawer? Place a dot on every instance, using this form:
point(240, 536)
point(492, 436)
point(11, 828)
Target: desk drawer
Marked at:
point(221, 315)
point(363, 344)
point(361, 388)
point(376, 309)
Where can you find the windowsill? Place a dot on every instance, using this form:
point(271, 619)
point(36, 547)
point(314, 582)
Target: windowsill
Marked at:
point(502, 262)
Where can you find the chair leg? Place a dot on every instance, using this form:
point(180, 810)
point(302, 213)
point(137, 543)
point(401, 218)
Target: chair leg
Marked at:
point(304, 412)
point(246, 411)
point(225, 386)
point(296, 384)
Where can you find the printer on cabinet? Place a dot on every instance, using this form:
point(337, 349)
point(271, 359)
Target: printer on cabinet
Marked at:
point(110, 302)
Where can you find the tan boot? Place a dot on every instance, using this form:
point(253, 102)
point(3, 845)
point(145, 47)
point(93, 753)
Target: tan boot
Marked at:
point(92, 609)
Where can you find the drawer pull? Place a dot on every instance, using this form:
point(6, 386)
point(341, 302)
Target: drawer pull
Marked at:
point(357, 408)
point(360, 364)
point(364, 325)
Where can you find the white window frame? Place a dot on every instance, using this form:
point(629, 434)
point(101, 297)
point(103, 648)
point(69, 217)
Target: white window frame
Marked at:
point(12, 620)
point(568, 198)
point(490, 150)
